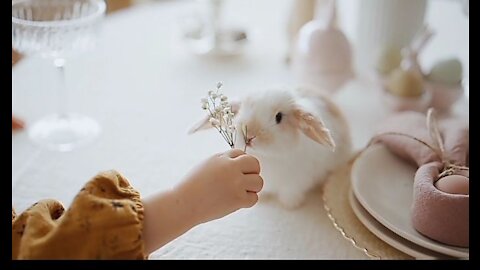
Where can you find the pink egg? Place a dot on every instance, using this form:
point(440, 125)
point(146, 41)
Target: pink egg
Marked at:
point(453, 184)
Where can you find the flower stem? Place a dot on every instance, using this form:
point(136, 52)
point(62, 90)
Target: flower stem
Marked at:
point(245, 137)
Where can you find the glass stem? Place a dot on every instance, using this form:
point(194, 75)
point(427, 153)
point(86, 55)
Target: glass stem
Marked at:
point(62, 88)
point(216, 6)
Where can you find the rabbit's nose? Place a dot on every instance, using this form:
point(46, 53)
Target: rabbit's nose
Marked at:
point(250, 139)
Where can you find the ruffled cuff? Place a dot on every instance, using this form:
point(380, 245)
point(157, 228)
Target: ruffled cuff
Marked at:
point(104, 221)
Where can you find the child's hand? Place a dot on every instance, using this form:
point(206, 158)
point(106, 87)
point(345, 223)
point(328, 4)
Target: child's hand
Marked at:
point(217, 187)
point(221, 185)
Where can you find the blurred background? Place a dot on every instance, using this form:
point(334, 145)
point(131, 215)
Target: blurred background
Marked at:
point(130, 63)
point(396, 55)
point(448, 17)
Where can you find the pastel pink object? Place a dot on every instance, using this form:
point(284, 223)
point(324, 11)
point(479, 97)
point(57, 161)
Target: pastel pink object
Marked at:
point(441, 216)
point(399, 103)
point(323, 55)
point(438, 215)
point(444, 95)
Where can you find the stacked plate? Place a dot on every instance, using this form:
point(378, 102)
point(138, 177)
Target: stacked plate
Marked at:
point(381, 197)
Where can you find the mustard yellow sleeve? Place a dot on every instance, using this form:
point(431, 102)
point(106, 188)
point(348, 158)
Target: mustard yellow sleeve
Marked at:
point(104, 221)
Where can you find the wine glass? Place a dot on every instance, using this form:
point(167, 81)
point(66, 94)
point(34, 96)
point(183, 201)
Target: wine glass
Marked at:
point(210, 35)
point(58, 29)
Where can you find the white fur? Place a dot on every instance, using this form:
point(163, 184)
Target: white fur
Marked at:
point(290, 168)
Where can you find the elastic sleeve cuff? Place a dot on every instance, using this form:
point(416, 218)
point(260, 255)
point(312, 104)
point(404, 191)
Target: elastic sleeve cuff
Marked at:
point(104, 221)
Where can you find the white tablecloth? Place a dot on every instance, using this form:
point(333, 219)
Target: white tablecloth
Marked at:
point(144, 87)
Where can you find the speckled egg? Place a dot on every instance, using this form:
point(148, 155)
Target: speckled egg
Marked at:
point(446, 71)
point(453, 184)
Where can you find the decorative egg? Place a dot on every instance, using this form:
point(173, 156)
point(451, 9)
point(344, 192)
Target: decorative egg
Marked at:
point(388, 60)
point(323, 55)
point(327, 49)
point(405, 83)
point(446, 71)
point(453, 184)
point(444, 95)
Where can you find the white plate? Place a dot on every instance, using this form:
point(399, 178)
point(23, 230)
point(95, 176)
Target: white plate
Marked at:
point(383, 184)
point(390, 237)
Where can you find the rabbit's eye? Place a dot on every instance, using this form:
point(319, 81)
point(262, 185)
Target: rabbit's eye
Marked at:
point(278, 117)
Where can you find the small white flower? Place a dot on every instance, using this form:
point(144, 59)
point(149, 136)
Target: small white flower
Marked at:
point(220, 114)
point(214, 122)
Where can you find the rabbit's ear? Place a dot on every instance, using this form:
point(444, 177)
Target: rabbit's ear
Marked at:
point(200, 125)
point(205, 123)
point(313, 128)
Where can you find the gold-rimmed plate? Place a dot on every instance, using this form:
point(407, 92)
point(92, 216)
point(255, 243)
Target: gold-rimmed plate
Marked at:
point(383, 185)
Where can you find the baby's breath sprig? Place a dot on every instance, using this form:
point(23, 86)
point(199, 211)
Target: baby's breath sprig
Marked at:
point(244, 132)
point(221, 114)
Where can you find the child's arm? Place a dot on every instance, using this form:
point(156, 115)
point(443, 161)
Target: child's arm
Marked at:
point(17, 123)
point(217, 187)
point(108, 219)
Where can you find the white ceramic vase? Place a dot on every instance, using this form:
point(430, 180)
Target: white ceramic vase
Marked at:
point(385, 23)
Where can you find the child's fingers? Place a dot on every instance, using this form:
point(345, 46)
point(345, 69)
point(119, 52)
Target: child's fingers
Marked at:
point(251, 199)
point(253, 182)
point(248, 164)
point(233, 153)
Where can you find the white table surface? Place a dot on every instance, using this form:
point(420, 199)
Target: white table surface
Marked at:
point(144, 87)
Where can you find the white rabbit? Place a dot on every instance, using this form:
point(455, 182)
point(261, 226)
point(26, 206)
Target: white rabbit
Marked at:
point(298, 136)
